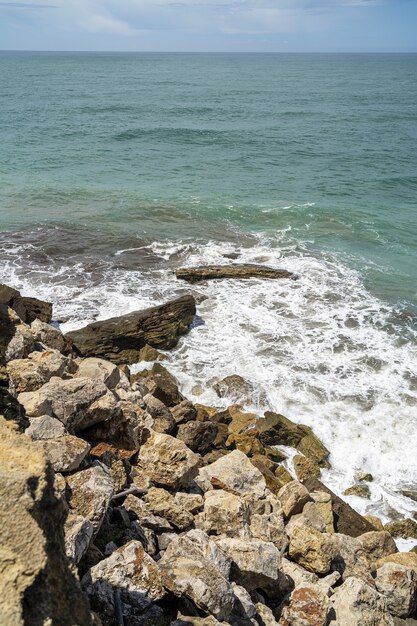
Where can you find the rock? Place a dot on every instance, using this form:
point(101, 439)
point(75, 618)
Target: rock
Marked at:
point(311, 516)
point(124, 432)
point(324, 502)
point(64, 453)
point(235, 387)
point(248, 443)
point(263, 464)
point(364, 477)
point(375, 521)
point(120, 339)
point(161, 384)
point(297, 574)
point(167, 461)
point(268, 525)
point(210, 272)
point(22, 342)
point(91, 491)
point(376, 544)
point(199, 571)
point(198, 436)
point(45, 427)
point(138, 509)
point(264, 615)
point(49, 336)
point(28, 309)
point(39, 367)
point(233, 472)
point(410, 493)
point(308, 606)
point(184, 411)
point(293, 496)
point(311, 549)
point(225, 514)
point(115, 460)
point(147, 353)
point(305, 468)
point(67, 400)
point(7, 330)
point(399, 587)
point(163, 504)
point(402, 528)
point(356, 603)
point(130, 572)
point(362, 491)
point(243, 607)
point(276, 429)
point(346, 520)
point(36, 584)
point(255, 563)
point(78, 535)
point(408, 559)
point(163, 421)
point(99, 369)
point(191, 502)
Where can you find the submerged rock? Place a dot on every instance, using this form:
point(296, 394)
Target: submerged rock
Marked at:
point(210, 272)
point(120, 339)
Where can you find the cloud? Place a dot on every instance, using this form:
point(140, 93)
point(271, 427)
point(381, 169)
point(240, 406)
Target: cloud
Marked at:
point(27, 5)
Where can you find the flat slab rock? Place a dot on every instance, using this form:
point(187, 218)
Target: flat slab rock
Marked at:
point(210, 272)
point(120, 339)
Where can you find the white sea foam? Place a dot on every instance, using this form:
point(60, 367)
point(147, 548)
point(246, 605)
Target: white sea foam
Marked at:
point(319, 350)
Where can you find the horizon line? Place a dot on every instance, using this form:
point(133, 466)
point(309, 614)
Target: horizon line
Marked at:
point(212, 51)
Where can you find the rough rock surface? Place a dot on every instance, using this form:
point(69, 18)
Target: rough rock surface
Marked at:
point(308, 606)
point(233, 472)
point(120, 339)
point(65, 453)
point(36, 584)
point(255, 563)
point(399, 586)
point(311, 549)
point(210, 272)
point(28, 309)
point(90, 493)
point(356, 603)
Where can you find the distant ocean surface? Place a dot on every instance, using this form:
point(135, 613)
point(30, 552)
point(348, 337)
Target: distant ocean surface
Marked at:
point(117, 168)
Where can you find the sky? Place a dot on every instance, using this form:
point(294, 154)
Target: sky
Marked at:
point(210, 25)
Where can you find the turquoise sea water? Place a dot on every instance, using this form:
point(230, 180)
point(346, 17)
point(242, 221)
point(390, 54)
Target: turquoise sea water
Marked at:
point(117, 168)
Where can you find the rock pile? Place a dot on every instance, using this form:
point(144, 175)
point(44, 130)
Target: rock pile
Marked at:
point(171, 513)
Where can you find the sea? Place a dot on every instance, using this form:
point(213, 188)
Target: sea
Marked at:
point(118, 168)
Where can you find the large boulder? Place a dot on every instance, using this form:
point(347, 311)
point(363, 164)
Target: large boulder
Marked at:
point(90, 493)
point(28, 309)
point(37, 369)
point(398, 585)
point(233, 472)
point(255, 563)
point(311, 549)
point(120, 339)
point(356, 603)
point(308, 605)
point(211, 272)
point(36, 584)
point(161, 384)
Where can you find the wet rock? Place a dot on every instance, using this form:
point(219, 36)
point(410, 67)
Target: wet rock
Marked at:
point(361, 491)
point(36, 584)
point(147, 353)
point(64, 453)
point(293, 496)
point(255, 563)
point(305, 468)
point(234, 387)
point(308, 606)
point(99, 369)
point(163, 504)
point(27, 308)
point(233, 472)
point(90, 493)
point(78, 536)
point(399, 587)
point(167, 461)
point(198, 436)
point(313, 550)
point(129, 572)
point(346, 520)
point(161, 384)
point(120, 339)
point(210, 272)
point(37, 369)
point(199, 571)
point(402, 528)
point(45, 427)
point(356, 603)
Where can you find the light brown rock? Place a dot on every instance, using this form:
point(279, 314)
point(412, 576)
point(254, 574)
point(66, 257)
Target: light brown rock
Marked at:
point(408, 559)
point(99, 369)
point(293, 496)
point(308, 606)
point(311, 549)
point(233, 472)
point(37, 369)
point(65, 453)
point(399, 587)
point(163, 504)
point(138, 509)
point(91, 491)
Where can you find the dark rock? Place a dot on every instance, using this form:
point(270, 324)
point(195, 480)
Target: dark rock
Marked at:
point(209, 272)
point(161, 384)
point(11, 410)
point(28, 309)
point(7, 331)
point(198, 436)
point(120, 339)
point(346, 520)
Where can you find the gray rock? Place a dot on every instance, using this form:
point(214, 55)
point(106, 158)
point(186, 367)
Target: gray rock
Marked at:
point(78, 535)
point(356, 603)
point(255, 563)
point(99, 369)
point(45, 427)
point(233, 472)
point(399, 587)
point(91, 491)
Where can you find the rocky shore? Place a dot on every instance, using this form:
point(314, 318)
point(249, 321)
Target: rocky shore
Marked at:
point(123, 503)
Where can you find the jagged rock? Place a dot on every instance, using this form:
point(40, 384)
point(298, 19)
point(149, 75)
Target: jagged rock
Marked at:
point(191, 502)
point(28, 309)
point(311, 517)
point(225, 514)
point(293, 496)
point(324, 501)
point(187, 620)
point(399, 587)
point(167, 461)
point(161, 384)
point(163, 504)
point(376, 544)
point(147, 353)
point(36, 584)
point(124, 432)
point(311, 549)
point(356, 603)
point(375, 521)
point(346, 520)
point(199, 571)
point(357, 556)
point(255, 563)
point(21, 343)
point(78, 536)
point(268, 523)
point(65, 453)
point(210, 272)
point(402, 528)
point(39, 367)
point(235, 387)
point(49, 336)
point(91, 491)
point(265, 615)
point(137, 508)
point(8, 323)
point(198, 436)
point(243, 607)
point(67, 400)
point(408, 559)
point(45, 427)
point(233, 472)
point(361, 491)
point(248, 443)
point(297, 574)
point(115, 461)
point(184, 411)
point(163, 421)
point(120, 339)
point(99, 369)
point(130, 572)
point(305, 468)
point(308, 606)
